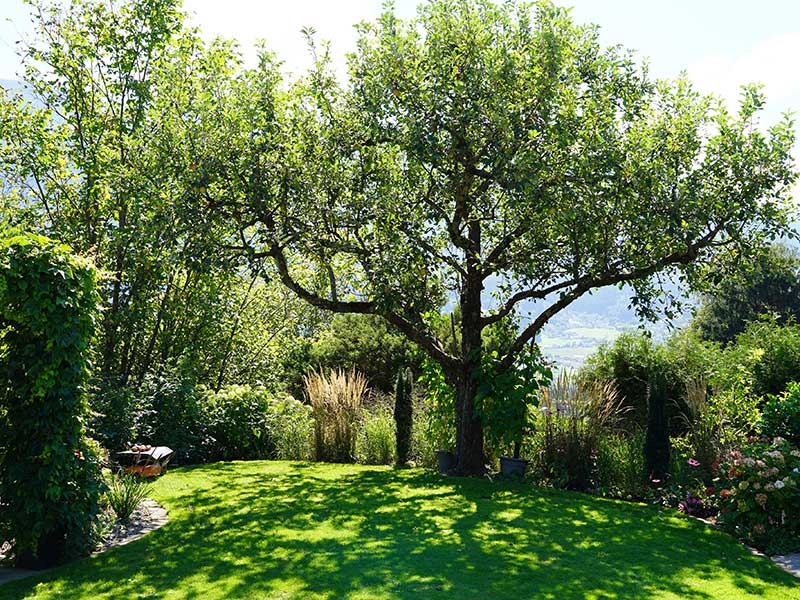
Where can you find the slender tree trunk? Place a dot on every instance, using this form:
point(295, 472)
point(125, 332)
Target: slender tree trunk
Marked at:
point(469, 429)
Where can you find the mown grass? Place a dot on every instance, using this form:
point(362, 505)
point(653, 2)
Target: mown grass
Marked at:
point(282, 530)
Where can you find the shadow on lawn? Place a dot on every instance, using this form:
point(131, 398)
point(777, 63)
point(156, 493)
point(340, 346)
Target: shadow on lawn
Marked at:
point(284, 530)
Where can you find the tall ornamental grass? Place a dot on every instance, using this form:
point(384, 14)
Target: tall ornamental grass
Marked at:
point(335, 398)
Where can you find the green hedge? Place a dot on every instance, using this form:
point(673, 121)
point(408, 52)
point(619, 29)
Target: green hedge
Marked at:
point(49, 471)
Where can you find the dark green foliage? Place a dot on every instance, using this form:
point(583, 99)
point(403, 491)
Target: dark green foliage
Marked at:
point(765, 357)
point(656, 443)
point(238, 422)
point(117, 414)
point(376, 440)
point(768, 284)
point(505, 398)
point(49, 472)
point(172, 414)
point(619, 462)
point(564, 454)
point(403, 414)
point(633, 358)
point(439, 423)
point(780, 415)
point(569, 430)
point(626, 362)
point(366, 343)
point(250, 422)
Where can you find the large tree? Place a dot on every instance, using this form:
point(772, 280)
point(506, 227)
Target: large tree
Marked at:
point(489, 144)
point(769, 284)
point(87, 157)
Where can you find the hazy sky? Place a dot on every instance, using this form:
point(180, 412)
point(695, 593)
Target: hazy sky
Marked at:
point(721, 43)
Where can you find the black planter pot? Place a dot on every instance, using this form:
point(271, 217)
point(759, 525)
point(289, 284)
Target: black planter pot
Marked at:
point(446, 460)
point(513, 467)
point(50, 552)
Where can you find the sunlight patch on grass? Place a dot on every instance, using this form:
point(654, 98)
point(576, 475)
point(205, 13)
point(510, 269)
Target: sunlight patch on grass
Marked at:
point(324, 532)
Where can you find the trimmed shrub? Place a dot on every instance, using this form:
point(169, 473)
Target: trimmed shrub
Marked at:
point(403, 415)
point(375, 443)
point(50, 480)
point(656, 442)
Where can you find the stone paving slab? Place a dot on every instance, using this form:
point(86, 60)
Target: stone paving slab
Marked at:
point(789, 562)
point(148, 517)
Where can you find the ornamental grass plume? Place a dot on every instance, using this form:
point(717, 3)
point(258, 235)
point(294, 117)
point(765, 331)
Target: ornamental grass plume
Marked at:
point(335, 398)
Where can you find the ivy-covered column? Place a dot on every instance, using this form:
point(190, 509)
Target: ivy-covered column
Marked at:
point(49, 472)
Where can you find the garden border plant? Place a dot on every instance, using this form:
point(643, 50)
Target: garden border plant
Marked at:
point(50, 478)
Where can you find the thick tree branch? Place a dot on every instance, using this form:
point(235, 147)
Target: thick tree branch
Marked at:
point(608, 278)
point(431, 345)
point(532, 294)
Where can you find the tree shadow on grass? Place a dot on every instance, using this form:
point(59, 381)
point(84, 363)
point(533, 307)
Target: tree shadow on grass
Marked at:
point(295, 530)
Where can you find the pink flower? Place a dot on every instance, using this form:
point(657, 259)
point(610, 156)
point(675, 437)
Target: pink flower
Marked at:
point(693, 463)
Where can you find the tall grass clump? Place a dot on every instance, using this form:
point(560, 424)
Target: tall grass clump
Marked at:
point(704, 421)
point(125, 493)
point(335, 398)
point(375, 443)
point(575, 417)
point(292, 430)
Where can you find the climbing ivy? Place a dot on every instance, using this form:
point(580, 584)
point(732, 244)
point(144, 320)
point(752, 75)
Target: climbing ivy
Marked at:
point(49, 471)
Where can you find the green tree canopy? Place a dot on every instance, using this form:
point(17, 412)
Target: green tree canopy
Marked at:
point(769, 284)
point(87, 156)
point(482, 142)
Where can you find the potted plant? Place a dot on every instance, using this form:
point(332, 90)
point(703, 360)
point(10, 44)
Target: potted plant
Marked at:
point(505, 399)
point(446, 461)
point(440, 417)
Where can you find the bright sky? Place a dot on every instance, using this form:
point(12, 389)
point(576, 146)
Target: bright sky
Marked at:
point(721, 43)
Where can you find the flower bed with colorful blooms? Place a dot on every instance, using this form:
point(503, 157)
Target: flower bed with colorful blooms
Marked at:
point(759, 494)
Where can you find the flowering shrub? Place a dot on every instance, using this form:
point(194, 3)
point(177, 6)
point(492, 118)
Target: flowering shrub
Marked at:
point(759, 494)
point(685, 490)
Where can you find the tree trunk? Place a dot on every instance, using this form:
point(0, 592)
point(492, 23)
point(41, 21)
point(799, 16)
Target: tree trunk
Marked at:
point(469, 429)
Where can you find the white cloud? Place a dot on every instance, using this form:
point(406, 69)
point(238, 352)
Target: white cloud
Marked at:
point(771, 62)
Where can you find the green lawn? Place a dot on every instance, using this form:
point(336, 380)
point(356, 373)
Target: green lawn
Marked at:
point(291, 530)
